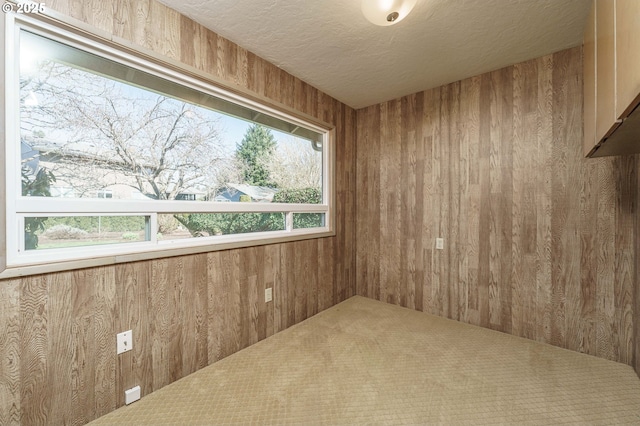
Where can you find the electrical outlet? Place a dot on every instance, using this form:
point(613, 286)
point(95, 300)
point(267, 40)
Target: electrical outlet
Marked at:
point(132, 395)
point(124, 341)
point(268, 294)
point(439, 243)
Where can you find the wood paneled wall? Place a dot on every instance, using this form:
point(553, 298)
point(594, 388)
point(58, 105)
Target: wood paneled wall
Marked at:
point(636, 311)
point(57, 331)
point(538, 241)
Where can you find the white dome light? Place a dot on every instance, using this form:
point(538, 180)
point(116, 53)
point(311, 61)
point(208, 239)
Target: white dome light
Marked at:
point(386, 12)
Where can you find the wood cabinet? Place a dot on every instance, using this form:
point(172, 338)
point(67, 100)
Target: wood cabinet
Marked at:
point(612, 78)
point(589, 81)
point(627, 53)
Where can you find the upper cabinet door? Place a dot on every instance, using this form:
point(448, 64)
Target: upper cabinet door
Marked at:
point(627, 33)
point(605, 68)
point(589, 50)
point(612, 79)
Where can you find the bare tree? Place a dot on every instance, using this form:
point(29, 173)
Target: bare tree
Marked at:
point(230, 171)
point(295, 164)
point(98, 132)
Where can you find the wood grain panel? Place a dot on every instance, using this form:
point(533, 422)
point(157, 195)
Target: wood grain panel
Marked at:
point(10, 353)
point(571, 89)
point(35, 398)
point(626, 264)
point(544, 169)
point(471, 203)
point(605, 267)
point(131, 20)
point(196, 277)
point(484, 230)
point(368, 181)
point(133, 308)
point(521, 104)
point(60, 344)
point(103, 312)
point(588, 252)
point(57, 345)
point(160, 316)
point(84, 339)
point(539, 242)
point(636, 289)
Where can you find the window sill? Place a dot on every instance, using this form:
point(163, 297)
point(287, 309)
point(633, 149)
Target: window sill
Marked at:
point(162, 251)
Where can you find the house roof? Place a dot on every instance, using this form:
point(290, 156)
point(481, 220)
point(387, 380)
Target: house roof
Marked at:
point(257, 193)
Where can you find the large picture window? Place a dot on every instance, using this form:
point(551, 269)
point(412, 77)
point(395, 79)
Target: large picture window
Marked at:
point(110, 154)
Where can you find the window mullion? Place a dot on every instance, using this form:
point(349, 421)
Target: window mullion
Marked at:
point(80, 205)
point(289, 221)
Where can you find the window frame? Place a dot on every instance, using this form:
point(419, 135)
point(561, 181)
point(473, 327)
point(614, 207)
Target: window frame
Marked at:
point(16, 262)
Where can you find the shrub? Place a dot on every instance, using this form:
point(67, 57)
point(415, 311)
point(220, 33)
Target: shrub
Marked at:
point(103, 224)
point(64, 232)
point(204, 224)
point(301, 195)
point(130, 236)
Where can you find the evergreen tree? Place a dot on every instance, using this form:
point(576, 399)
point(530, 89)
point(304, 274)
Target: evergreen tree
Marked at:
point(255, 154)
point(257, 146)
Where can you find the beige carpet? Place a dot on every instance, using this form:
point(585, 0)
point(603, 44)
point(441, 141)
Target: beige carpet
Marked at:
point(366, 362)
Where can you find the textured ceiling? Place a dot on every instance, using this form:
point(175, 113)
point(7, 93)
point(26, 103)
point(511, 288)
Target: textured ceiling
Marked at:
point(330, 45)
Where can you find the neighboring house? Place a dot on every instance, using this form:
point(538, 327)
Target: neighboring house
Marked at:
point(81, 174)
point(234, 191)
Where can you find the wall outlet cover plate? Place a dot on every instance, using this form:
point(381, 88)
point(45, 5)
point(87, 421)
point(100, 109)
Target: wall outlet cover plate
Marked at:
point(132, 395)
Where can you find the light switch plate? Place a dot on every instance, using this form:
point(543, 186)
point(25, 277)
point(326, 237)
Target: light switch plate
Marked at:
point(439, 243)
point(268, 294)
point(124, 341)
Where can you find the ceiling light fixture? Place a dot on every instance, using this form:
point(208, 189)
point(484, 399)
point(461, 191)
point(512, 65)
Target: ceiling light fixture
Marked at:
point(386, 12)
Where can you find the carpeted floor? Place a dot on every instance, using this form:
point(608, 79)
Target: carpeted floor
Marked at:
point(367, 362)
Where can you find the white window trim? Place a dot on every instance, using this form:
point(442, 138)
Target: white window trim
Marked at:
point(19, 263)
